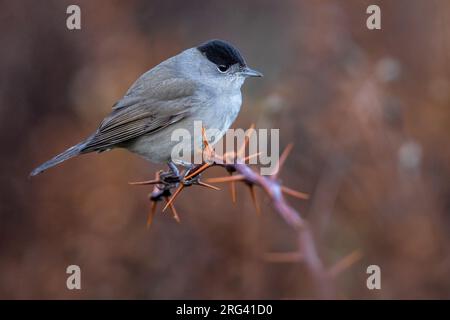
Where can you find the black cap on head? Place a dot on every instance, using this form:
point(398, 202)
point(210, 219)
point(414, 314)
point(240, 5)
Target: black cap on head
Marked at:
point(221, 53)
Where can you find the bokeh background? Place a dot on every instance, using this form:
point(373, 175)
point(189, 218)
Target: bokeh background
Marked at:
point(368, 112)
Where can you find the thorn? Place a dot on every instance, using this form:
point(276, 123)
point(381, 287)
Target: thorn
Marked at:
point(207, 146)
point(282, 160)
point(233, 189)
point(237, 177)
point(151, 214)
point(250, 157)
point(228, 157)
point(295, 193)
point(241, 150)
point(174, 211)
point(198, 171)
point(283, 257)
point(345, 263)
point(203, 184)
point(205, 140)
point(255, 202)
point(143, 183)
point(172, 199)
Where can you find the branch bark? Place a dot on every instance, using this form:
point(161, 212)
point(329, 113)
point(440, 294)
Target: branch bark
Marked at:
point(306, 255)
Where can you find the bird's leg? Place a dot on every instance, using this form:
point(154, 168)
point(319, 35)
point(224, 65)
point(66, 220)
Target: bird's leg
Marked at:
point(173, 168)
point(188, 169)
point(189, 176)
point(172, 177)
point(194, 174)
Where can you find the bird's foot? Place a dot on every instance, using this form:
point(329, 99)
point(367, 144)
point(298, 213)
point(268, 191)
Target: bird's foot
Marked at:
point(190, 175)
point(173, 177)
point(166, 181)
point(169, 180)
point(193, 174)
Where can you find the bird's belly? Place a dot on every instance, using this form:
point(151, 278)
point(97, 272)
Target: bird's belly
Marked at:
point(157, 147)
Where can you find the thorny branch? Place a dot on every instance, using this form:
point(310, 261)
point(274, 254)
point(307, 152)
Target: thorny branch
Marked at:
point(238, 171)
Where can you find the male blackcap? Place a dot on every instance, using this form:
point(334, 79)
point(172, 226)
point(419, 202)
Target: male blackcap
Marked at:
point(199, 84)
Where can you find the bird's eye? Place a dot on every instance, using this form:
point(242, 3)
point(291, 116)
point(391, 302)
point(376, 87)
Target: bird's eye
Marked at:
point(222, 68)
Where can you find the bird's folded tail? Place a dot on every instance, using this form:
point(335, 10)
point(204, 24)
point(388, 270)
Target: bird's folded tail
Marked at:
point(69, 153)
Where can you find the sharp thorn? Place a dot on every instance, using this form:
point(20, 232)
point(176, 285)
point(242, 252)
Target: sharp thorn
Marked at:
point(174, 211)
point(199, 170)
point(229, 157)
point(151, 214)
point(241, 150)
point(205, 140)
point(283, 257)
point(295, 193)
point(345, 263)
point(203, 184)
point(143, 183)
point(282, 159)
point(233, 191)
point(250, 157)
point(237, 177)
point(255, 202)
point(172, 199)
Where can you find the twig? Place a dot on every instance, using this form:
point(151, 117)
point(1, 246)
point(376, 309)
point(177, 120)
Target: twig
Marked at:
point(306, 253)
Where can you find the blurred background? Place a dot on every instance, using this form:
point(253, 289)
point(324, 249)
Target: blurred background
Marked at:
point(368, 112)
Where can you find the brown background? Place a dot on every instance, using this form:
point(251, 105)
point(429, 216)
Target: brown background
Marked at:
point(368, 112)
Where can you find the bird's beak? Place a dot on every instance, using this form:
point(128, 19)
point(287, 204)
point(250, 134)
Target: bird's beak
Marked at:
point(247, 72)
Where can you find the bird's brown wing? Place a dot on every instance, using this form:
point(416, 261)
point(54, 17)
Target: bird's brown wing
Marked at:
point(142, 114)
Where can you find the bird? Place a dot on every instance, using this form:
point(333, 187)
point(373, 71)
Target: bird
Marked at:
point(202, 83)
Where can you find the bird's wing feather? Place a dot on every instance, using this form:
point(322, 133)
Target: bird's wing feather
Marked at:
point(144, 112)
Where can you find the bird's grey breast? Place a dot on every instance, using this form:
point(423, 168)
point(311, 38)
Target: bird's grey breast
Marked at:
point(221, 109)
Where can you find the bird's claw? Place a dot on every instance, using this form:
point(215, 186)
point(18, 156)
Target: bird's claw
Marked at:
point(169, 179)
point(194, 180)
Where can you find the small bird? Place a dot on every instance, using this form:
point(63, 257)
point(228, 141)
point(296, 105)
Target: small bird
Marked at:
point(202, 83)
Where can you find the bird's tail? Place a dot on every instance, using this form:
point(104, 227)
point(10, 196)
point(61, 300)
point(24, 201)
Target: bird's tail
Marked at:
point(69, 153)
